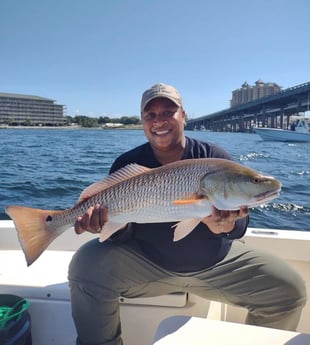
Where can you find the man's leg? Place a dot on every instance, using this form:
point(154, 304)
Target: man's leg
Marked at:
point(99, 273)
point(271, 290)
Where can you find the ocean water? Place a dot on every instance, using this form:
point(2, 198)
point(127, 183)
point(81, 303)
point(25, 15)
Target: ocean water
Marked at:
point(49, 168)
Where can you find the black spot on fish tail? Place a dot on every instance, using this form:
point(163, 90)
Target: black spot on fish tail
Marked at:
point(49, 218)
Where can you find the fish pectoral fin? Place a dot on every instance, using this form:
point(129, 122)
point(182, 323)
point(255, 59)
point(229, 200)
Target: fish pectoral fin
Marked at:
point(184, 227)
point(190, 200)
point(109, 229)
point(184, 201)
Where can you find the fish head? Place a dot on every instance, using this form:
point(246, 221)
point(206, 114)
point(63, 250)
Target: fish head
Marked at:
point(229, 186)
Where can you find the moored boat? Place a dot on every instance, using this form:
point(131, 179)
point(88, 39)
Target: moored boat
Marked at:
point(45, 285)
point(299, 132)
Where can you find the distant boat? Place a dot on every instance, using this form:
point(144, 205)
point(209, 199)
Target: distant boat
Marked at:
point(299, 132)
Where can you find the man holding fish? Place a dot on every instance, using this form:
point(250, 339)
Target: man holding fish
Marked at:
point(201, 255)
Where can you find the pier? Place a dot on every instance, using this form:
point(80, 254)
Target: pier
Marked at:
point(272, 111)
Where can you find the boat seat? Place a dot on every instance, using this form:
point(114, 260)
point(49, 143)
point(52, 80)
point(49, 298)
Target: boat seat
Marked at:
point(184, 330)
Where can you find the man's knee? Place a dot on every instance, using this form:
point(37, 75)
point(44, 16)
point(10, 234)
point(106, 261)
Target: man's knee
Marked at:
point(299, 293)
point(92, 260)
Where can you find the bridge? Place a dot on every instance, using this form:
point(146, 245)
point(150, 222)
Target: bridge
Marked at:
point(272, 111)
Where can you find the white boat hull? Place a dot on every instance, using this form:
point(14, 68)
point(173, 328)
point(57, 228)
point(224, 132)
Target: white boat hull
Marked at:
point(45, 284)
point(275, 134)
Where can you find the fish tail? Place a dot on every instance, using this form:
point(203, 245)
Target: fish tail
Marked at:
point(32, 229)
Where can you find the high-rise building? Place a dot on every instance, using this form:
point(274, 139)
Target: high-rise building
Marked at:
point(19, 109)
point(248, 93)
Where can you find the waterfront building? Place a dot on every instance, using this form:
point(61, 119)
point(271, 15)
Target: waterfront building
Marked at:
point(16, 109)
point(248, 93)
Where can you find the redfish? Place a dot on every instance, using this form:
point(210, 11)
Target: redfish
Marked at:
point(181, 192)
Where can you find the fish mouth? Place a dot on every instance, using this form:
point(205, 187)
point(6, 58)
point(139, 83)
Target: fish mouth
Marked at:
point(267, 195)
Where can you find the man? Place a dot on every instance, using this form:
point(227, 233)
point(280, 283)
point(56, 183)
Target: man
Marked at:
point(142, 260)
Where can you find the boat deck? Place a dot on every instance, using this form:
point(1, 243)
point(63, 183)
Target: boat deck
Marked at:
point(184, 330)
point(45, 284)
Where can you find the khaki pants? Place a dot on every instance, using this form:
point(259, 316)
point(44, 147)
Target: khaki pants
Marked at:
point(99, 273)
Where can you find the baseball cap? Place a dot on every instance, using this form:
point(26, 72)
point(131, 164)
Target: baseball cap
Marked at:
point(161, 90)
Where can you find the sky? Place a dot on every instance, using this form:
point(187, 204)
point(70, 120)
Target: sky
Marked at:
point(96, 57)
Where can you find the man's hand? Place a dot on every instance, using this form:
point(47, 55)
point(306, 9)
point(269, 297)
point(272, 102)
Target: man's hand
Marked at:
point(224, 221)
point(93, 220)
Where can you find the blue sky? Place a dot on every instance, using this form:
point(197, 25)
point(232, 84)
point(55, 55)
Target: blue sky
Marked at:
point(97, 56)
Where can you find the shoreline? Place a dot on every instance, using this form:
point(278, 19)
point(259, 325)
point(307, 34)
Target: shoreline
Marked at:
point(125, 127)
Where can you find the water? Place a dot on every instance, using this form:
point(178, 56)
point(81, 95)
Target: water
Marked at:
point(49, 168)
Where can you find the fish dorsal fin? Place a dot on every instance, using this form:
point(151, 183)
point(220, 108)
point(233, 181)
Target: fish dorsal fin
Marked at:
point(118, 176)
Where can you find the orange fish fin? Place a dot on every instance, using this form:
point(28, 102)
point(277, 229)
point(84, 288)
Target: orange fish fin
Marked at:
point(192, 199)
point(184, 227)
point(32, 230)
point(118, 176)
point(109, 229)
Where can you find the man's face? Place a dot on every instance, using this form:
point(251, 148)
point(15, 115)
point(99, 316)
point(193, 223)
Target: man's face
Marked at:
point(163, 122)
